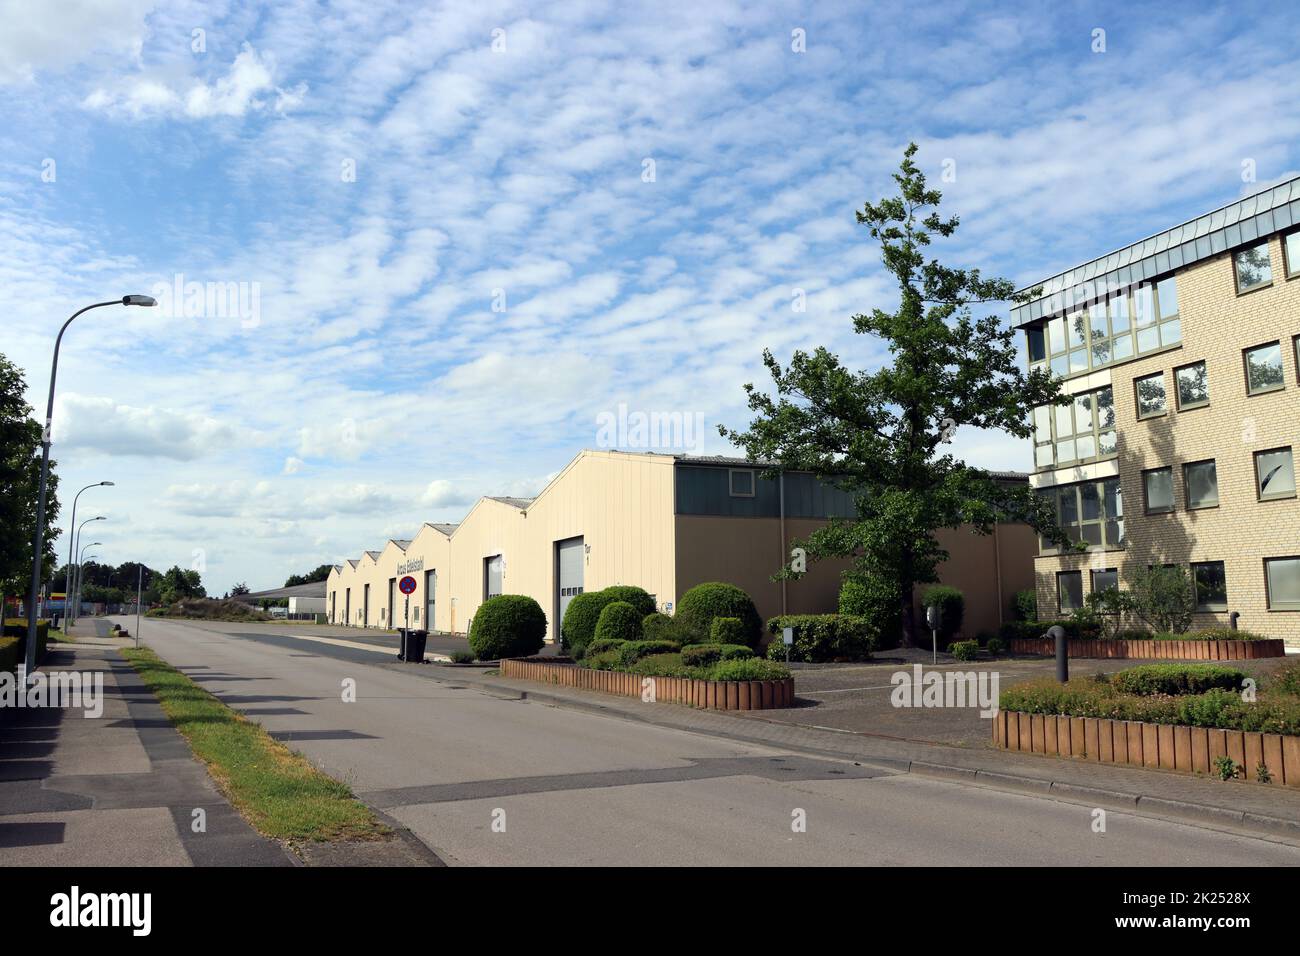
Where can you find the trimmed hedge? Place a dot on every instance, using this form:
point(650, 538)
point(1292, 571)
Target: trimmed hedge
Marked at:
point(602, 644)
point(1028, 630)
point(1176, 679)
point(726, 630)
point(672, 665)
point(869, 597)
point(702, 603)
point(508, 625)
point(750, 668)
point(619, 621)
point(15, 631)
point(639, 598)
point(580, 620)
point(1271, 713)
point(1074, 630)
point(701, 655)
point(9, 654)
point(819, 638)
point(633, 651)
point(1210, 634)
point(965, 650)
point(656, 625)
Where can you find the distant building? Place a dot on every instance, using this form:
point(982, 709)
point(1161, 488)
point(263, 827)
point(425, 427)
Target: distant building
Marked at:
point(662, 522)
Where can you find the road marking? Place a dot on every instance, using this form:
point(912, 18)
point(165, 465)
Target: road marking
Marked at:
point(355, 645)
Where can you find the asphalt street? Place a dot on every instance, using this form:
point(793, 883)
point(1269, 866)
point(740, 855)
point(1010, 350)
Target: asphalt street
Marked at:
point(486, 778)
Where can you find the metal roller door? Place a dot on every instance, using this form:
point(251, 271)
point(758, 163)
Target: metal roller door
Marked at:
point(569, 563)
point(492, 577)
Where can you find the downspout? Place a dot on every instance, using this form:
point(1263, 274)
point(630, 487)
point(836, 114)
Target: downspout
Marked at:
point(784, 543)
point(997, 568)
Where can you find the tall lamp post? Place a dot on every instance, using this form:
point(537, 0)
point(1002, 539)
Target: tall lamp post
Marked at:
point(72, 533)
point(81, 561)
point(76, 539)
point(38, 536)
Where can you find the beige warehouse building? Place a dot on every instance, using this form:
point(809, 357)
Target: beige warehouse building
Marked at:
point(662, 522)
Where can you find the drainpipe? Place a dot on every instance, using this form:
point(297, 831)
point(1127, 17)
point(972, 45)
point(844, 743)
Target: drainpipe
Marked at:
point(997, 569)
point(784, 542)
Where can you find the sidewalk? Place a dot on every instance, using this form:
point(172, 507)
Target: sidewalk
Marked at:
point(1234, 805)
point(120, 790)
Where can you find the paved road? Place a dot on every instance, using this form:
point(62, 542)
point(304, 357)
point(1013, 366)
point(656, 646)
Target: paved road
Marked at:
point(489, 779)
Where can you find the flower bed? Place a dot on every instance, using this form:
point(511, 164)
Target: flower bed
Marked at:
point(710, 694)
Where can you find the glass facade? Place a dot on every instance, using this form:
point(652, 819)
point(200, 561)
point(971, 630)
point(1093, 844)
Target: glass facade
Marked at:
point(1083, 430)
point(1090, 512)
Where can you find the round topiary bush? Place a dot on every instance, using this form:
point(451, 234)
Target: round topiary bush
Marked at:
point(657, 626)
point(580, 618)
point(871, 597)
point(508, 625)
point(619, 621)
point(727, 630)
point(639, 598)
point(702, 603)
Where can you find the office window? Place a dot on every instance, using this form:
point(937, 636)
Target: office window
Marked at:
point(1263, 368)
point(1080, 431)
point(1202, 482)
point(1105, 580)
point(1090, 513)
point(1150, 395)
point(1069, 590)
point(1210, 583)
point(1291, 253)
point(1282, 576)
point(1252, 267)
point(1274, 474)
point(1193, 386)
point(742, 483)
point(1112, 330)
point(1159, 487)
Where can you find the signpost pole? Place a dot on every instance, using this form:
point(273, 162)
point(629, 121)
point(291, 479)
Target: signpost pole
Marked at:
point(139, 590)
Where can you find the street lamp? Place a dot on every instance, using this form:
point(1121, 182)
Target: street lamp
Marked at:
point(67, 581)
point(38, 536)
point(81, 562)
point(75, 539)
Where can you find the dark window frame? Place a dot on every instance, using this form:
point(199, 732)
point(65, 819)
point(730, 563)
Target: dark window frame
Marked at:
point(1259, 490)
point(1208, 605)
point(1245, 368)
point(1187, 485)
point(1146, 497)
point(1268, 590)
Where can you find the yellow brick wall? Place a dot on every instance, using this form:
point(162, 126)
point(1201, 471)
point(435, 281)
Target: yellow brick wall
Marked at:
point(1217, 325)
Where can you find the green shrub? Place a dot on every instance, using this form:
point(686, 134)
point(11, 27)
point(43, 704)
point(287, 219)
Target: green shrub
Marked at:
point(1133, 634)
point(871, 597)
point(996, 646)
point(632, 651)
point(1210, 634)
point(462, 657)
point(662, 665)
point(964, 650)
point(727, 630)
point(702, 655)
point(508, 625)
point(1021, 630)
point(819, 638)
point(753, 668)
point(603, 661)
point(702, 603)
point(580, 619)
point(619, 621)
point(656, 626)
point(1162, 597)
point(1025, 604)
point(952, 607)
point(1176, 679)
point(1286, 679)
point(601, 644)
point(639, 598)
point(9, 656)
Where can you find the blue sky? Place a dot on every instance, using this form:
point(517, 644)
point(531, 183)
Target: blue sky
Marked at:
point(500, 153)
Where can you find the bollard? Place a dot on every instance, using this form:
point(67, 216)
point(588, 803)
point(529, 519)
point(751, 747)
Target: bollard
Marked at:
point(1232, 620)
point(1062, 652)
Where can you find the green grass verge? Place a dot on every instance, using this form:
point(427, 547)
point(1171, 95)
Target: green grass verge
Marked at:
point(275, 789)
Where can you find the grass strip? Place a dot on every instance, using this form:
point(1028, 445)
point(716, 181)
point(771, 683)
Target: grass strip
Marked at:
point(275, 789)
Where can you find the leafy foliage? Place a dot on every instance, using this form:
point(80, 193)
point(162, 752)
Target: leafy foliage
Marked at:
point(819, 638)
point(702, 603)
point(321, 573)
point(879, 435)
point(870, 596)
point(1161, 597)
point(639, 598)
point(508, 625)
point(618, 621)
point(20, 473)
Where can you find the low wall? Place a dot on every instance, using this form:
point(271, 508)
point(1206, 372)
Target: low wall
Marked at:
point(1138, 744)
point(1156, 650)
point(709, 694)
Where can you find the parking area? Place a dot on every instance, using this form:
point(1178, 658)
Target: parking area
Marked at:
point(856, 698)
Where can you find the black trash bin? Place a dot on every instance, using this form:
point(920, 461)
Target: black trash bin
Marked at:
point(415, 643)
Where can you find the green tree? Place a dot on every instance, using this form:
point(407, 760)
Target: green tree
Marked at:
point(20, 475)
point(880, 434)
point(241, 588)
point(322, 573)
point(177, 584)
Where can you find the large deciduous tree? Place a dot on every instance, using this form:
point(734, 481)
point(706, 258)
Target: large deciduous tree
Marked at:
point(880, 434)
point(20, 475)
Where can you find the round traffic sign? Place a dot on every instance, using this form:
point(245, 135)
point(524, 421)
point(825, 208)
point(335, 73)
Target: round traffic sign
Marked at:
point(407, 585)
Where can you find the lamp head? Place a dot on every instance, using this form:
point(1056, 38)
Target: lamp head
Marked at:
point(145, 300)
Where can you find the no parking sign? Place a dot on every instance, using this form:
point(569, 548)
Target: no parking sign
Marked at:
point(406, 585)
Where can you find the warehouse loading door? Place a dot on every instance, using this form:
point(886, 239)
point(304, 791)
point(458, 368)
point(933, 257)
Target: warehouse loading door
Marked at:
point(492, 577)
point(430, 594)
point(569, 561)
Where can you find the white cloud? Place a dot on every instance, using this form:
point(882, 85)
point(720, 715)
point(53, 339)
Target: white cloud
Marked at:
point(86, 424)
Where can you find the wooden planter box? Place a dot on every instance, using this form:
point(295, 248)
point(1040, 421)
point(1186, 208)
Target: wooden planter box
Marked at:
point(1167, 746)
point(1155, 650)
point(708, 694)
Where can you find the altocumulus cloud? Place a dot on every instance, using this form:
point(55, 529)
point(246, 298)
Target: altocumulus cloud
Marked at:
point(85, 423)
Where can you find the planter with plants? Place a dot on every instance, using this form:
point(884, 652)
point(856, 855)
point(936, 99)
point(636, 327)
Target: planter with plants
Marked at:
point(1196, 718)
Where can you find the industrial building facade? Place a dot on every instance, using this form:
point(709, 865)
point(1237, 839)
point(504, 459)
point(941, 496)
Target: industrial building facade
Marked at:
point(662, 522)
point(1182, 356)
